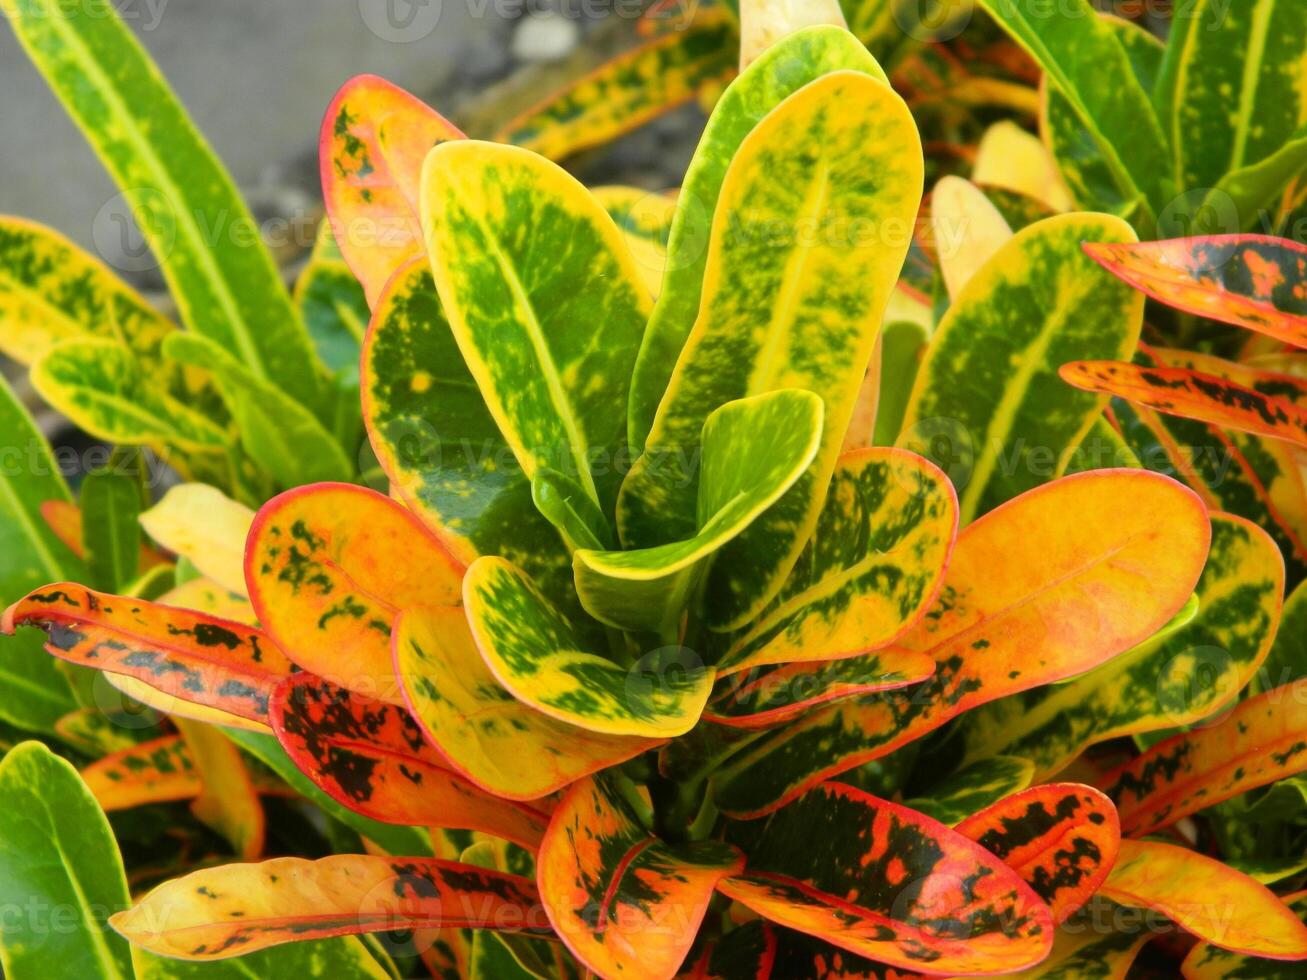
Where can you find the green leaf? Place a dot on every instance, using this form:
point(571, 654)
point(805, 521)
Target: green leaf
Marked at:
point(346, 958)
point(902, 345)
point(333, 305)
point(34, 693)
point(564, 503)
point(974, 787)
point(201, 233)
point(59, 857)
point(777, 74)
point(795, 288)
point(1078, 51)
point(1102, 448)
point(551, 346)
point(753, 450)
point(280, 435)
point(1287, 661)
point(111, 530)
point(989, 406)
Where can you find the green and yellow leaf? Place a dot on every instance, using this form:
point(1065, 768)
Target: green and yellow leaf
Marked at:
point(963, 794)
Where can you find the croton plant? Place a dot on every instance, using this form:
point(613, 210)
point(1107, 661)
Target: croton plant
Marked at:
point(780, 577)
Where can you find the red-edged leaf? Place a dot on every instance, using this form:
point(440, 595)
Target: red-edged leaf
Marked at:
point(373, 758)
point(1062, 838)
point(1208, 962)
point(626, 903)
point(1192, 395)
point(329, 566)
point(188, 655)
point(222, 912)
point(888, 883)
point(1251, 281)
point(1261, 741)
point(374, 139)
point(1210, 899)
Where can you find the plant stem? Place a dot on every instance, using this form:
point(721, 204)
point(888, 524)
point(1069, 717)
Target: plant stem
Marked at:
point(633, 797)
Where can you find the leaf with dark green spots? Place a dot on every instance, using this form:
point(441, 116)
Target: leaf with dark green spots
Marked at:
point(544, 301)
point(844, 866)
point(972, 788)
point(751, 452)
point(872, 566)
point(186, 205)
point(626, 903)
point(903, 344)
point(778, 73)
point(783, 310)
point(212, 662)
point(484, 733)
point(988, 405)
point(544, 661)
point(1108, 556)
point(1177, 677)
point(373, 758)
point(111, 530)
point(630, 90)
point(1209, 962)
point(59, 857)
point(747, 952)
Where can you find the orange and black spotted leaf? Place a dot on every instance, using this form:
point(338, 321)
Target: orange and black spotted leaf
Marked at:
point(372, 757)
point(328, 568)
point(889, 884)
point(626, 903)
point(1192, 395)
point(218, 913)
point(747, 952)
point(188, 655)
point(1062, 838)
point(1251, 281)
point(1261, 741)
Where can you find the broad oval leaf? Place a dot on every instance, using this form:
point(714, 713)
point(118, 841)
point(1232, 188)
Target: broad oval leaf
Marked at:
point(373, 758)
point(740, 476)
point(1208, 898)
point(328, 569)
point(212, 662)
point(1251, 281)
point(1261, 741)
point(1177, 677)
point(626, 903)
point(885, 882)
point(781, 71)
point(968, 230)
point(1094, 564)
point(783, 308)
point(874, 564)
point(218, 913)
point(511, 750)
point(988, 405)
point(1062, 838)
point(373, 141)
point(551, 350)
point(1208, 962)
point(545, 662)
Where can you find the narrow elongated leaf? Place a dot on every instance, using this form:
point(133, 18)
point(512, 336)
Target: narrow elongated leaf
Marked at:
point(564, 503)
point(373, 141)
point(551, 352)
point(739, 479)
point(329, 567)
point(1193, 395)
point(781, 71)
point(439, 444)
point(968, 231)
point(334, 307)
point(111, 506)
point(1263, 740)
point(511, 750)
point(630, 90)
point(203, 525)
point(903, 344)
point(873, 565)
point(784, 311)
point(372, 757)
point(213, 662)
point(59, 856)
point(186, 205)
point(988, 405)
point(222, 912)
point(1251, 281)
point(1212, 901)
point(888, 883)
point(158, 771)
point(228, 802)
point(1177, 677)
point(1077, 50)
point(544, 661)
point(1208, 962)
point(1078, 553)
point(973, 788)
point(626, 903)
point(1062, 838)
point(1287, 661)
point(346, 958)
